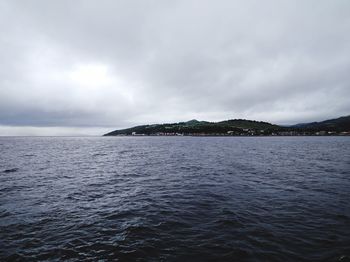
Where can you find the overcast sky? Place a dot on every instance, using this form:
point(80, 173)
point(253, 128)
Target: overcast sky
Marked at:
point(88, 67)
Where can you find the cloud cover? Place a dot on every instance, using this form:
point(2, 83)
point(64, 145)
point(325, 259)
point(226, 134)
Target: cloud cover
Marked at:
point(88, 66)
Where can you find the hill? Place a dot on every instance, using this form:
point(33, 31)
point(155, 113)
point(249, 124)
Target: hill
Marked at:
point(195, 127)
point(341, 124)
point(338, 126)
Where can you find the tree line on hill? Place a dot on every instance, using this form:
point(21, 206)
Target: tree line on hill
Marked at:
point(239, 127)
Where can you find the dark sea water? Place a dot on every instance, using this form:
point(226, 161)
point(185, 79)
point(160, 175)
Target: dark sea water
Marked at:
point(175, 198)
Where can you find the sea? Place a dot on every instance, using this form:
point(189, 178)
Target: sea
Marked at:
point(175, 199)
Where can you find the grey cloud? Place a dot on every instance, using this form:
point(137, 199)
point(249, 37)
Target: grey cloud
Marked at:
point(279, 61)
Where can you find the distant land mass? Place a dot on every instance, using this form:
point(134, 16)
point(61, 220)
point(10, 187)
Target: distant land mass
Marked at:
point(237, 127)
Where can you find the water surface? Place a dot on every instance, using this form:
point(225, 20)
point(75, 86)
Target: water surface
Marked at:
point(175, 198)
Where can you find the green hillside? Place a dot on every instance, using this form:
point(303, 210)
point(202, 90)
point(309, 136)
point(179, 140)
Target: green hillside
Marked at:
point(336, 125)
point(201, 127)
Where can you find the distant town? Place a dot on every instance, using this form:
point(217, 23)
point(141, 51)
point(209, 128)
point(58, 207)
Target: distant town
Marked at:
point(245, 132)
point(239, 127)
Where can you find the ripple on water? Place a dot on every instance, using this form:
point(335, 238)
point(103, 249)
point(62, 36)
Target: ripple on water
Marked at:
point(10, 170)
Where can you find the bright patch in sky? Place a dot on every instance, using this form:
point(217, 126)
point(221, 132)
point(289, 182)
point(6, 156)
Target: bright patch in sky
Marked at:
point(91, 75)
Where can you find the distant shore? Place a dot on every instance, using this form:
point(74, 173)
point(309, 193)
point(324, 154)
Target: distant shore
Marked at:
point(239, 127)
point(226, 135)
